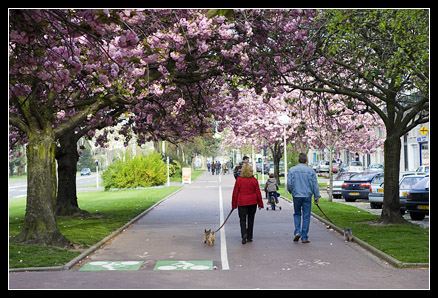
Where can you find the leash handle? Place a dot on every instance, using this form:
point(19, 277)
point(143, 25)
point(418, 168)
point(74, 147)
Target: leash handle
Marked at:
point(225, 220)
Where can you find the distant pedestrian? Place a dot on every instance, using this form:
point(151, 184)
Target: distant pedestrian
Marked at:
point(208, 166)
point(238, 168)
point(224, 168)
point(302, 184)
point(217, 165)
point(246, 197)
point(229, 166)
point(212, 168)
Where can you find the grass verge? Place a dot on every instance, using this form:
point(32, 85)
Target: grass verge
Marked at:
point(111, 210)
point(407, 243)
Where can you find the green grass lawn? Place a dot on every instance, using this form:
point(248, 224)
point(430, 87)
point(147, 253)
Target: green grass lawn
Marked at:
point(111, 210)
point(407, 243)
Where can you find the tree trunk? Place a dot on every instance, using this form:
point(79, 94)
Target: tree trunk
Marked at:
point(40, 227)
point(391, 201)
point(276, 156)
point(67, 157)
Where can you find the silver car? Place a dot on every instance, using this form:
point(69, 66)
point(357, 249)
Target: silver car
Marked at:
point(355, 166)
point(338, 180)
point(407, 180)
point(323, 166)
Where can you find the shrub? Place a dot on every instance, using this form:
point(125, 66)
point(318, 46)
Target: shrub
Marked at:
point(143, 171)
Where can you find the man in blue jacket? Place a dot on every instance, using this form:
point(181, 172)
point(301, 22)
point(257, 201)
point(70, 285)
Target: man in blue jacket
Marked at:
point(302, 184)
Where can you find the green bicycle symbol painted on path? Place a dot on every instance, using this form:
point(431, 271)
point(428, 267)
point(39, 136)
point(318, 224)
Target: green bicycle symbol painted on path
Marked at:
point(184, 265)
point(111, 265)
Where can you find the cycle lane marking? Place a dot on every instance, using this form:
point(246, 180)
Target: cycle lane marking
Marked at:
point(224, 254)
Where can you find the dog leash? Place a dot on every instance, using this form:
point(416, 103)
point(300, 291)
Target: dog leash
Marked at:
point(225, 221)
point(324, 213)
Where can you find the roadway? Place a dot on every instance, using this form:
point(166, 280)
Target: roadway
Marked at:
point(18, 188)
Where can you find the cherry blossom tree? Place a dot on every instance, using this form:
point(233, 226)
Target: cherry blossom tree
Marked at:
point(313, 123)
point(333, 126)
point(79, 70)
point(379, 57)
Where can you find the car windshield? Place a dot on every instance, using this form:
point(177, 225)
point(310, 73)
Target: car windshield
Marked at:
point(409, 182)
point(422, 184)
point(344, 176)
point(363, 176)
point(378, 179)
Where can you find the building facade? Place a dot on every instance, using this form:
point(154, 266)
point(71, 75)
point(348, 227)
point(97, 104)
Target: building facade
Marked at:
point(414, 151)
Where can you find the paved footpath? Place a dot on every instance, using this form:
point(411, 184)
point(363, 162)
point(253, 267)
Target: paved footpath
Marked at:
point(172, 234)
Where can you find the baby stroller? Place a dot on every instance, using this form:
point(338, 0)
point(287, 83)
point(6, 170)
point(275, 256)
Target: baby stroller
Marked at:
point(272, 200)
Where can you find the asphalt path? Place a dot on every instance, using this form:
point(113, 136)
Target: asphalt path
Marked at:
point(173, 231)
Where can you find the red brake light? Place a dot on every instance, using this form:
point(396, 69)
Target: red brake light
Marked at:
point(345, 185)
point(365, 185)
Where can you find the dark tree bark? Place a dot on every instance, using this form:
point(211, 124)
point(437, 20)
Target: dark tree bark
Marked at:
point(391, 200)
point(40, 227)
point(277, 154)
point(67, 157)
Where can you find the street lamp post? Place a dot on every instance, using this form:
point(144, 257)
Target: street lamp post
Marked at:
point(284, 120)
point(97, 173)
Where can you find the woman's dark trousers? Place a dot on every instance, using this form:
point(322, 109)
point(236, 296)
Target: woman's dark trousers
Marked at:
point(246, 215)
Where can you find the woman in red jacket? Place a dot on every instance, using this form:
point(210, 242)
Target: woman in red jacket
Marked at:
point(246, 196)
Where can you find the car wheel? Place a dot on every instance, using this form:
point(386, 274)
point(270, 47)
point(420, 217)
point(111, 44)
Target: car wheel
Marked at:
point(374, 205)
point(417, 216)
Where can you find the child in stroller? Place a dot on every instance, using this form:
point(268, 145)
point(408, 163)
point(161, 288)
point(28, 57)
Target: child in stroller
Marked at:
point(271, 188)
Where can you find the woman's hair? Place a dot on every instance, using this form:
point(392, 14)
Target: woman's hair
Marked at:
point(246, 171)
point(271, 175)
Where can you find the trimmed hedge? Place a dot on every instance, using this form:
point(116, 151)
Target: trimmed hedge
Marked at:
point(139, 171)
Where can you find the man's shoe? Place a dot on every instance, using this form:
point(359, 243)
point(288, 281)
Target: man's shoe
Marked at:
point(297, 237)
point(244, 239)
point(305, 241)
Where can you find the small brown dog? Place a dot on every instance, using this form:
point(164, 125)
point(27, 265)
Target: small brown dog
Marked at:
point(209, 237)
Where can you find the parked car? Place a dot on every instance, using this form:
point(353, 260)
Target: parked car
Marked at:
point(423, 169)
point(335, 167)
point(355, 166)
point(314, 166)
point(271, 170)
point(85, 172)
point(338, 180)
point(417, 202)
point(343, 167)
point(376, 167)
point(358, 186)
point(323, 166)
point(406, 180)
point(266, 166)
point(375, 197)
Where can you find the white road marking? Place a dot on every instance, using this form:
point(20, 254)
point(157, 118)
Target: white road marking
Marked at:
point(224, 255)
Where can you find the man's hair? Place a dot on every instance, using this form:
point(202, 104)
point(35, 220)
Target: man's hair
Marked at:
point(302, 158)
point(245, 157)
point(246, 171)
